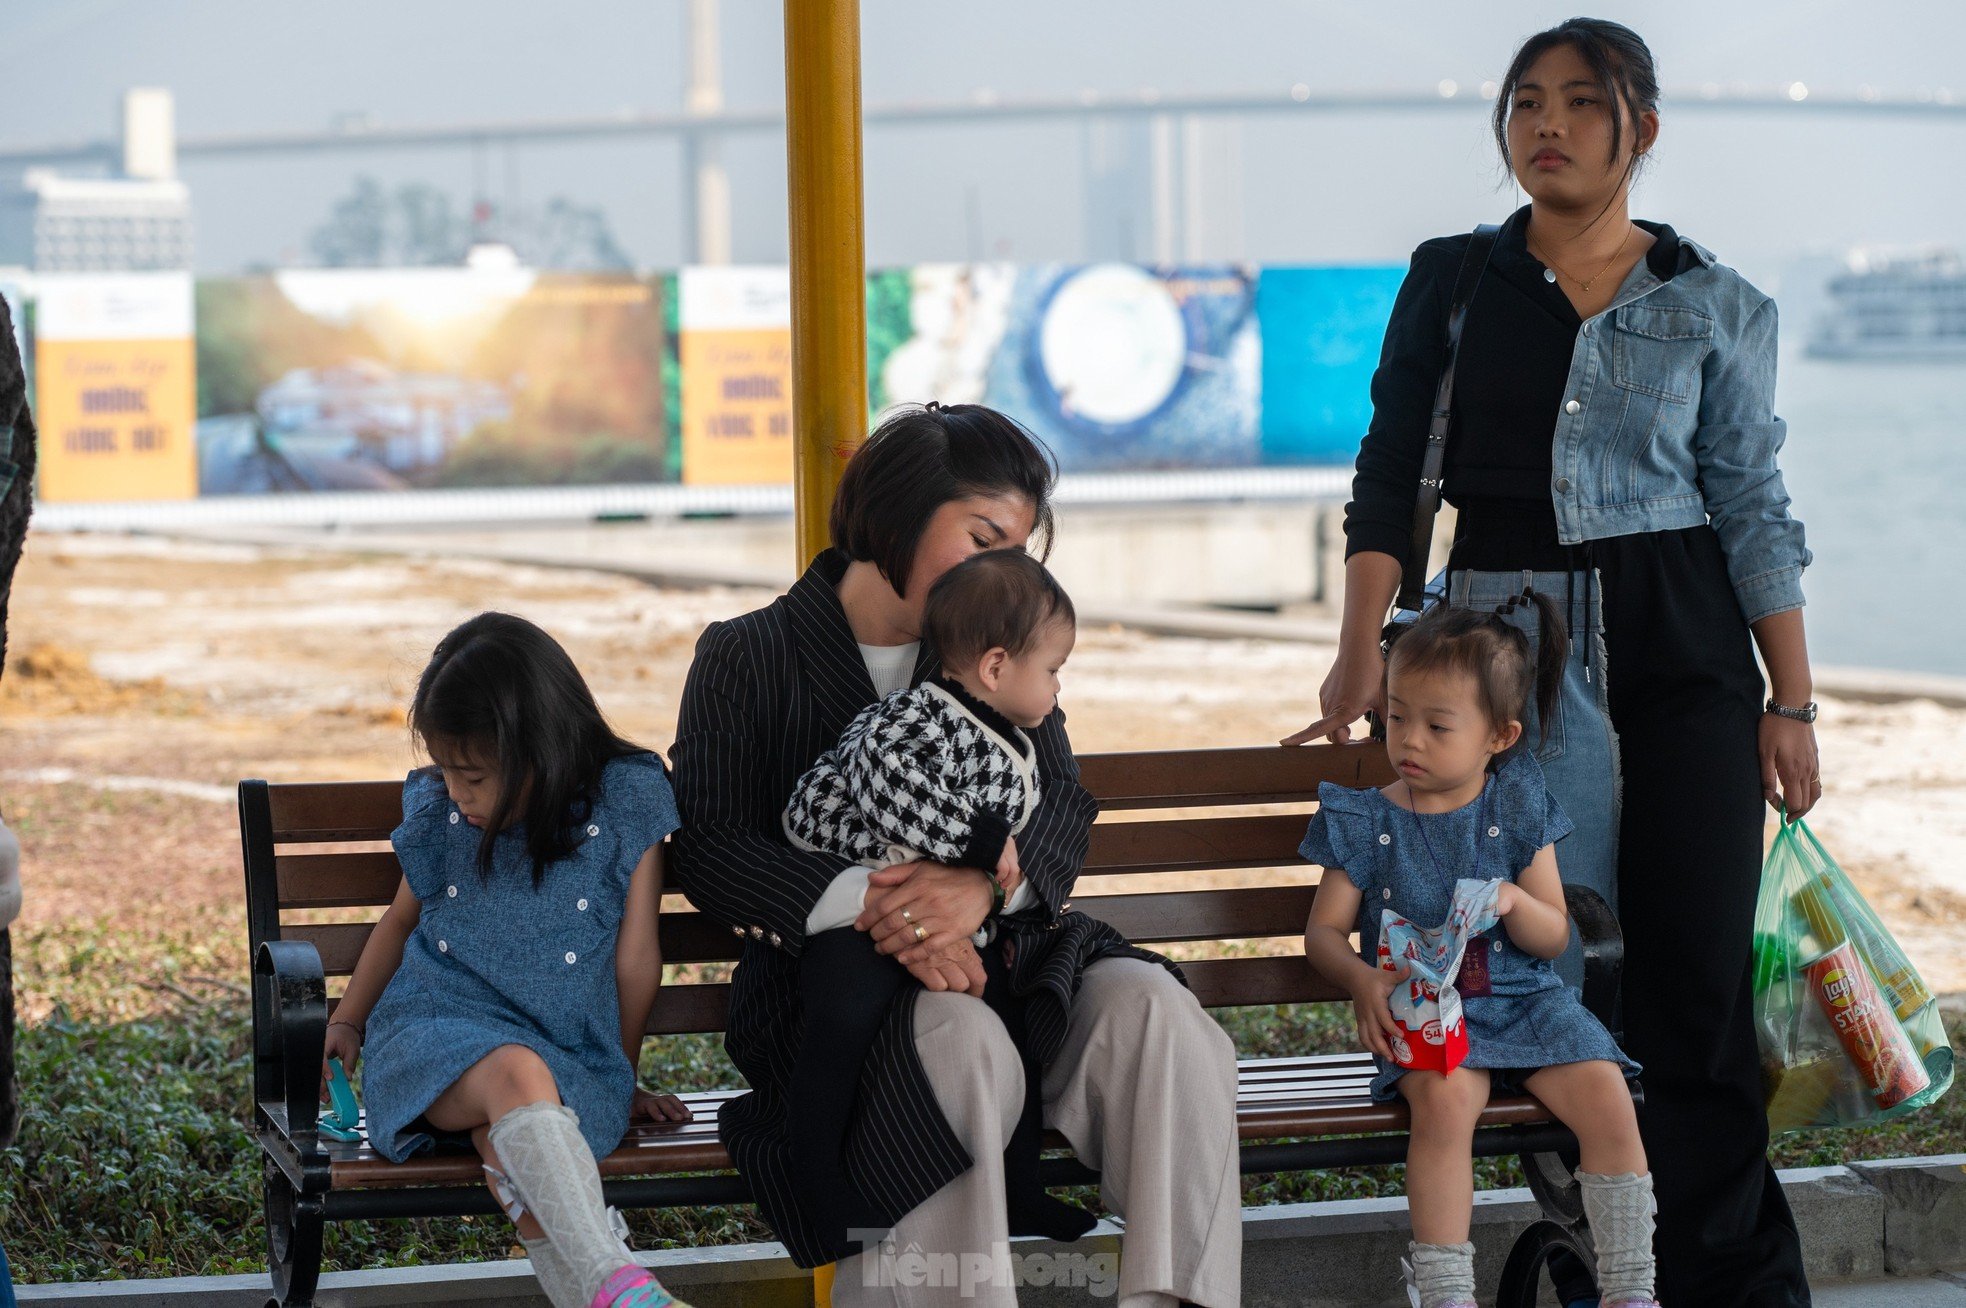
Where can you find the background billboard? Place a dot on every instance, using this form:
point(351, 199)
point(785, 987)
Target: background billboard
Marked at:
point(433, 377)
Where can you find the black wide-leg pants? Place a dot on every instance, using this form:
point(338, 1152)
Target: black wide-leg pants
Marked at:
point(1685, 699)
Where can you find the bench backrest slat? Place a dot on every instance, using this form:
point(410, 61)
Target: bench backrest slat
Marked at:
point(1196, 778)
point(297, 838)
point(1151, 918)
point(354, 879)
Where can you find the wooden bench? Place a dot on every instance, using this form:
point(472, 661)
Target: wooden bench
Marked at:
point(313, 847)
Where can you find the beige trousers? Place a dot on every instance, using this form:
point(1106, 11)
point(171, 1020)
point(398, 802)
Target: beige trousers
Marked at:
point(1144, 1088)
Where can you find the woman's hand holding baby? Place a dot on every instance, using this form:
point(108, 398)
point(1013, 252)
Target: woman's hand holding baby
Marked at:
point(923, 915)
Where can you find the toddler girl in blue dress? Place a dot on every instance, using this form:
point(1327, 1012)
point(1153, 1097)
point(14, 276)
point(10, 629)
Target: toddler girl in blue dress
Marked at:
point(505, 991)
point(1469, 804)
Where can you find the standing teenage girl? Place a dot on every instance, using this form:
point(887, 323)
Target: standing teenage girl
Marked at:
point(1614, 447)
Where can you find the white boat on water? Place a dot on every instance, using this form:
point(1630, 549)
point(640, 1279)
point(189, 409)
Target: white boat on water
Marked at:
point(1894, 306)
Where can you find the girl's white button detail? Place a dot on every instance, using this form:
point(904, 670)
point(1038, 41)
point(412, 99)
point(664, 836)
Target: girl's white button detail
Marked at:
point(1494, 831)
point(443, 946)
point(582, 906)
point(451, 891)
point(569, 956)
point(453, 819)
point(593, 830)
point(1387, 893)
point(1385, 840)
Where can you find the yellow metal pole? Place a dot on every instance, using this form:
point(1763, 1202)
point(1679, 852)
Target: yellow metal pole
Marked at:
point(829, 276)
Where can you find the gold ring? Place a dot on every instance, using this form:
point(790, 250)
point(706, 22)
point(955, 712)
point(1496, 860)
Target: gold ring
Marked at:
point(907, 916)
point(921, 933)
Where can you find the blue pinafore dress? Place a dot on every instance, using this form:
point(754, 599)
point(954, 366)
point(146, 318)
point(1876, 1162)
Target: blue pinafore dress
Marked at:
point(494, 961)
point(1520, 1015)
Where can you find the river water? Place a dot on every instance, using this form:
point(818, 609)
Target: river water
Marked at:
point(1875, 457)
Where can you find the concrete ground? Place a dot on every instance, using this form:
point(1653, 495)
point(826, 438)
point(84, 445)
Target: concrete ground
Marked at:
point(1858, 1223)
point(1939, 1290)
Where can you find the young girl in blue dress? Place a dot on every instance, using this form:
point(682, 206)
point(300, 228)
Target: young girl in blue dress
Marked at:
point(505, 991)
point(1469, 804)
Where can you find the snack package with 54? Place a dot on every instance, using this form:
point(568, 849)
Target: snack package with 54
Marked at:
point(1433, 1033)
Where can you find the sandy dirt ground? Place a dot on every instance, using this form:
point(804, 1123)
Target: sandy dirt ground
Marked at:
point(146, 677)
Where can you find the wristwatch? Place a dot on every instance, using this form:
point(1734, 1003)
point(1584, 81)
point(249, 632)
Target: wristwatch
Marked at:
point(1807, 713)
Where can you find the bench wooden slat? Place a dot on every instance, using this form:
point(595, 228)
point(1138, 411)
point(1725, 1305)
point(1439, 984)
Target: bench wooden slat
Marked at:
point(350, 880)
point(702, 1006)
point(1196, 844)
point(308, 811)
point(368, 878)
point(1146, 918)
point(1278, 979)
point(313, 811)
point(1184, 915)
point(687, 937)
point(1195, 778)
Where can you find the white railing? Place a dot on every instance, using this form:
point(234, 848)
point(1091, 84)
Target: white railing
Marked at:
point(586, 503)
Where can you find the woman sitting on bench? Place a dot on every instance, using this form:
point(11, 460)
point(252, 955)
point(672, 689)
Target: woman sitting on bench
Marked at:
point(1136, 1075)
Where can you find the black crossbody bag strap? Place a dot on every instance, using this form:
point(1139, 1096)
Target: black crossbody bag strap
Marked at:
point(1413, 582)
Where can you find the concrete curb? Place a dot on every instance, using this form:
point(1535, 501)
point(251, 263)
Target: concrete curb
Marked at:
point(1902, 1218)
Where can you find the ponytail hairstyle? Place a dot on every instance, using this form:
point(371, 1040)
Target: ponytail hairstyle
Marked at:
point(499, 689)
point(1481, 644)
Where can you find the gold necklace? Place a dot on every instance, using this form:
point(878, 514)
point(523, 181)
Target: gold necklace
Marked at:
point(1601, 271)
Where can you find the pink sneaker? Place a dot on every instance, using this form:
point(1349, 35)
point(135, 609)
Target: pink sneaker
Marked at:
point(634, 1287)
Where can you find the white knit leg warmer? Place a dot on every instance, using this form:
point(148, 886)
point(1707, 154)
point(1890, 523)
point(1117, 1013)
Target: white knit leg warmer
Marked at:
point(1621, 1212)
point(542, 1154)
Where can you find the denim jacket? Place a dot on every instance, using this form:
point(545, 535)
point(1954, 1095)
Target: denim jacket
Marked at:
point(1671, 423)
point(1667, 422)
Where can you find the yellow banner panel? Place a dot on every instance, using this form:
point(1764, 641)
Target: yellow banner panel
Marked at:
point(116, 420)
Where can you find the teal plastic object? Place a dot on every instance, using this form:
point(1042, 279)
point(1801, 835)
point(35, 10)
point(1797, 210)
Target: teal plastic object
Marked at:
point(342, 1119)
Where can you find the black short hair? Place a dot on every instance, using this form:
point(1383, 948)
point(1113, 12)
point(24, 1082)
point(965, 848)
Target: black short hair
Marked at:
point(500, 690)
point(923, 456)
point(999, 599)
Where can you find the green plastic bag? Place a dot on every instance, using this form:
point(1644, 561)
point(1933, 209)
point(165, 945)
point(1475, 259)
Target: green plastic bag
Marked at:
point(1849, 1033)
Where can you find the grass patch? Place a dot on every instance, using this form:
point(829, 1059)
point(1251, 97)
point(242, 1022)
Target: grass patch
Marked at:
point(135, 1159)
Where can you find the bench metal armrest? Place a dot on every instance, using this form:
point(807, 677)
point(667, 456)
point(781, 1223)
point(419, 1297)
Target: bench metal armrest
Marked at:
point(1604, 952)
point(290, 1010)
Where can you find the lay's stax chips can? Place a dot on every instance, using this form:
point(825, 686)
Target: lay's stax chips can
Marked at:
point(1877, 1045)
